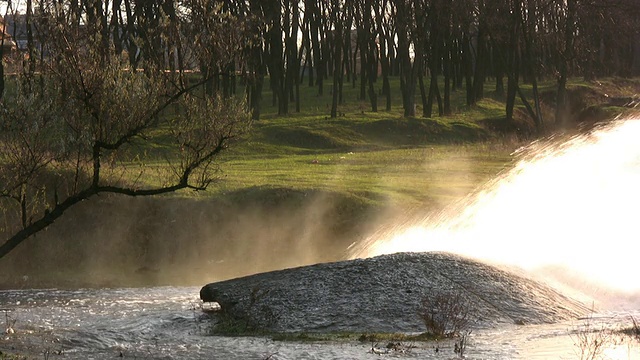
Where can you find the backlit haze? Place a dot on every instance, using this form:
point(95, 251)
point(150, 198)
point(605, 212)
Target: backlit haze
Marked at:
point(570, 204)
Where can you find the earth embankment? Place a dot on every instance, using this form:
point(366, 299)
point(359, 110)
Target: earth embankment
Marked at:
point(383, 294)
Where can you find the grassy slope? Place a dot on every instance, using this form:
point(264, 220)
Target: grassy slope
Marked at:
point(382, 156)
point(377, 156)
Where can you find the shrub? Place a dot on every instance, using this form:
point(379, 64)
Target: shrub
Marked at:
point(445, 314)
point(634, 330)
point(591, 341)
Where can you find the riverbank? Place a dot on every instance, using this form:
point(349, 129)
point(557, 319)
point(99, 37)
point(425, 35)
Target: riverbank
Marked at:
point(385, 294)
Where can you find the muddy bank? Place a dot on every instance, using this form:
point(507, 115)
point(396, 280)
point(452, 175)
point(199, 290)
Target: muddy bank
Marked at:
point(382, 294)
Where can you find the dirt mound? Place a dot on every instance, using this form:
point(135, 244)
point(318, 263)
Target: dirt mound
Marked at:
point(419, 131)
point(382, 294)
point(310, 138)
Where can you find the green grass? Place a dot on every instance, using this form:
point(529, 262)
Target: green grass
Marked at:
point(423, 173)
point(242, 331)
point(345, 336)
point(378, 157)
point(381, 156)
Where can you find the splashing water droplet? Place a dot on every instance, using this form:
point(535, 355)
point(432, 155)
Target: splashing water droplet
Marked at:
point(572, 203)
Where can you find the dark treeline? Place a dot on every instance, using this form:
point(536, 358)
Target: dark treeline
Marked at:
point(435, 47)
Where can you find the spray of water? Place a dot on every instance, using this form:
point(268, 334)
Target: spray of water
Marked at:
point(572, 203)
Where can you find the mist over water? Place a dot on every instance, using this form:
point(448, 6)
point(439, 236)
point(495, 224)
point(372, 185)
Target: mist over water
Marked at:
point(569, 206)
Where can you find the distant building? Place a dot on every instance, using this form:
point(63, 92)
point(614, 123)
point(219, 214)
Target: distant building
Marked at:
point(16, 27)
point(7, 44)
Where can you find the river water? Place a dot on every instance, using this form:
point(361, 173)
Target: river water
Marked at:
point(167, 323)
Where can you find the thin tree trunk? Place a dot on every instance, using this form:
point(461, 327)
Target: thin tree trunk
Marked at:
point(312, 7)
point(407, 74)
point(562, 103)
point(384, 58)
point(426, 109)
point(481, 62)
point(468, 70)
point(337, 58)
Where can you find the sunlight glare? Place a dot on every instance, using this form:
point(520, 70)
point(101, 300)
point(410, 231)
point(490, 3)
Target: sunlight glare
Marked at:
point(573, 203)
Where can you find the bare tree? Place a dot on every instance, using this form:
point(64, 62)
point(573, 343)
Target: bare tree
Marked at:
point(94, 125)
point(337, 18)
point(445, 314)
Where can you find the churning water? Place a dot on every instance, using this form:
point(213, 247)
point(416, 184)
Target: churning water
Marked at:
point(165, 323)
point(571, 204)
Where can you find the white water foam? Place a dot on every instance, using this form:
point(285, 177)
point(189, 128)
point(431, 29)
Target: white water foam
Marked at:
point(570, 204)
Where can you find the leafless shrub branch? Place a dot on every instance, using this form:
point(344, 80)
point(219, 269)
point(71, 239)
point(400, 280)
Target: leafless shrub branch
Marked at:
point(591, 341)
point(445, 314)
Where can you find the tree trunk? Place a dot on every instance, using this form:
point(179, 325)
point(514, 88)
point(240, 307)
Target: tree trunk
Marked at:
point(635, 64)
point(513, 64)
point(257, 69)
point(314, 24)
point(337, 58)
point(562, 102)
point(384, 57)
point(468, 69)
point(31, 47)
point(407, 74)
point(426, 109)
point(528, 31)
point(512, 86)
point(447, 87)
point(446, 59)
point(499, 69)
point(481, 62)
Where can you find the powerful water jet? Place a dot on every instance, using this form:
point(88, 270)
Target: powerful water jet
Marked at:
point(569, 203)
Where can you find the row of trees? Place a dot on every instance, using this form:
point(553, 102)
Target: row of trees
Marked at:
point(101, 83)
point(434, 46)
point(449, 44)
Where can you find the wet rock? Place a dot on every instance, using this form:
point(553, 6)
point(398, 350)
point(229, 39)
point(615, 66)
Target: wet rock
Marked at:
point(383, 294)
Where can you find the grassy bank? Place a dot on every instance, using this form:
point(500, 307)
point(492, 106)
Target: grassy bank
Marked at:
point(380, 155)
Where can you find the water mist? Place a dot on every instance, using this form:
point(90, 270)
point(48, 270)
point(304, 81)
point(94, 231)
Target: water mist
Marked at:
point(570, 204)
